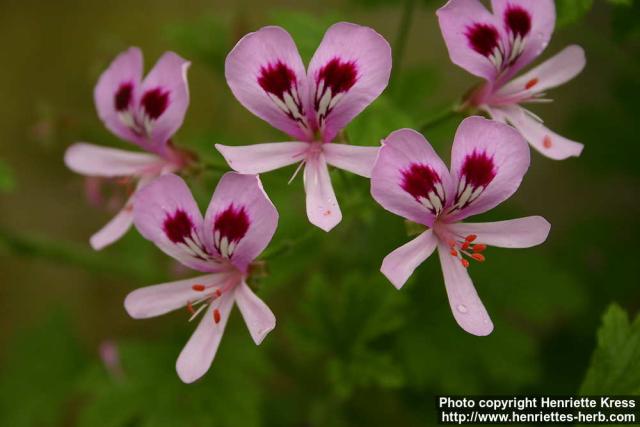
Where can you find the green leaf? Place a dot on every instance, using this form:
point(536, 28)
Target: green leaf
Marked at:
point(571, 11)
point(376, 122)
point(7, 180)
point(615, 364)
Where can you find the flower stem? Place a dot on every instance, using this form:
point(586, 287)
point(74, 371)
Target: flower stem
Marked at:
point(403, 32)
point(440, 118)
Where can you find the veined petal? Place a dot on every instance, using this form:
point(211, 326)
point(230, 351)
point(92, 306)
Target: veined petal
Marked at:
point(547, 142)
point(400, 264)
point(258, 317)
point(322, 207)
point(514, 233)
point(165, 213)
point(260, 158)
point(117, 89)
point(114, 229)
point(198, 354)
point(541, 20)
point(156, 300)
point(352, 158)
point(164, 98)
point(93, 160)
point(240, 220)
point(488, 161)
point(555, 71)
point(265, 73)
point(348, 71)
point(471, 34)
point(465, 304)
point(409, 179)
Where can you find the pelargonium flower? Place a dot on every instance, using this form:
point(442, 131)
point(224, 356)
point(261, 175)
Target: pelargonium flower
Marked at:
point(145, 112)
point(488, 162)
point(237, 226)
point(348, 71)
point(495, 46)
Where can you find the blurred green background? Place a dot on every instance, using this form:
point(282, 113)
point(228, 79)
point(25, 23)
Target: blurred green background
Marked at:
point(348, 349)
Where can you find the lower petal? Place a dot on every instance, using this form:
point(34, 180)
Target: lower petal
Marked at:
point(400, 264)
point(465, 304)
point(514, 233)
point(322, 207)
point(114, 230)
point(258, 317)
point(260, 158)
point(156, 300)
point(197, 355)
point(549, 143)
point(352, 158)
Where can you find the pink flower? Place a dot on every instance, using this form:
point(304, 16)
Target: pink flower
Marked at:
point(237, 226)
point(145, 112)
point(495, 46)
point(488, 162)
point(348, 71)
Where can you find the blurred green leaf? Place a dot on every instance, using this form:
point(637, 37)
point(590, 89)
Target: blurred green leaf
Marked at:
point(615, 364)
point(39, 375)
point(376, 122)
point(571, 11)
point(7, 180)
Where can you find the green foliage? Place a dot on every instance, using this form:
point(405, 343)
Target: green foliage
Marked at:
point(571, 11)
point(7, 180)
point(615, 364)
point(376, 122)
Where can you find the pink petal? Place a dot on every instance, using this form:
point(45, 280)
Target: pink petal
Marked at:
point(352, 158)
point(354, 63)
point(322, 207)
point(114, 230)
point(400, 264)
point(156, 300)
point(197, 356)
point(491, 158)
point(93, 160)
point(260, 158)
point(169, 197)
point(258, 317)
point(543, 19)
point(125, 69)
point(168, 75)
point(547, 142)
point(514, 233)
point(455, 18)
point(244, 193)
point(262, 70)
point(391, 180)
point(555, 71)
point(465, 304)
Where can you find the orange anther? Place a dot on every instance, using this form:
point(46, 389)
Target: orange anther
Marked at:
point(465, 245)
point(452, 243)
point(531, 83)
point(190, 308)
point(546, 141)
point(478, 257)
point(479, 248)
point(218, 292)
point(454, 252)
point(464, 263)
point(198, 288)
point(471, 237)
point(216, 315)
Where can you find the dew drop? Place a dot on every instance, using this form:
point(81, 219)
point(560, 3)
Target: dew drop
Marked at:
point(462, 308)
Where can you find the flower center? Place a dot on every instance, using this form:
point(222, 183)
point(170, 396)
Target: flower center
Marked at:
point(210, 295)
point(229, 227)
point(478, 170)
point(465, 249)
point(424, 184)
point(280, 83)
point(141, 118)
point(333, 80)
point(180, 230)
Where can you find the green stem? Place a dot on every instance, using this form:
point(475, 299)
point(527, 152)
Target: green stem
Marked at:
point(403, 33)
point(71, 254)
point(286, 245)
point(440, 118)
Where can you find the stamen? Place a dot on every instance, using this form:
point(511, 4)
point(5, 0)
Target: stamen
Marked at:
point(478, 257)
point(198, 311)
point(546, 142)
point(198, 288)
point(454, 252)
point(531, 83)
point(464, 263)
point(216, 316)
point(465, 245)
point(471, 237)
point(190, 308)
point(479, 248)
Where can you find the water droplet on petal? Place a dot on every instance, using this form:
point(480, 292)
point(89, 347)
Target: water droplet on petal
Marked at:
point(462, 308)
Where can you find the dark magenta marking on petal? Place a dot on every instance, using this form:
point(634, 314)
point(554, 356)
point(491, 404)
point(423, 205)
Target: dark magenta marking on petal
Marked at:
point(338, 75)
point(517, 20)
point(479, 169)
point(155, 102)
point(178, 226)
point(232, 223)
point(123, 96)
point(276, 78)
point(419, 180)
point(483, 38)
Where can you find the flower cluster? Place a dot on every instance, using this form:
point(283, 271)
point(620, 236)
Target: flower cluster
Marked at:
point(350, 69)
